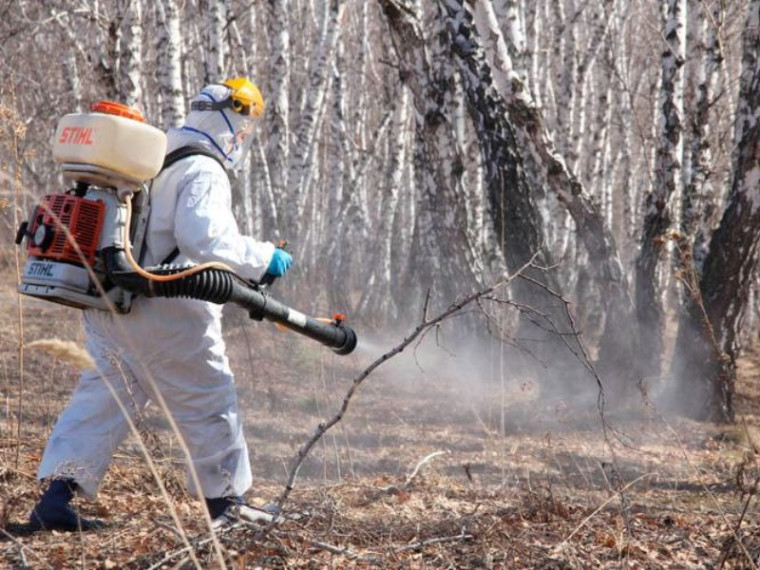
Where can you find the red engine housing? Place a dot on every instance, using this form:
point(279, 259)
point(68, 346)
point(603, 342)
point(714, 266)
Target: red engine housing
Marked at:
point(60, 215)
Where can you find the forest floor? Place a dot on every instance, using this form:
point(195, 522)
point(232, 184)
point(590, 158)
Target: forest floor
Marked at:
point(431, 467)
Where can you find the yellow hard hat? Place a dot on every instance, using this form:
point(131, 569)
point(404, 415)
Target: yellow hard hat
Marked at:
point(246, 97)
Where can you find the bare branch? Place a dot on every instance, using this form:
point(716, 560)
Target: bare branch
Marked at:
point(424, 325)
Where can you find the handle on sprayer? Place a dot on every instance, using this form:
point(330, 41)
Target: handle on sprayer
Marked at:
point(269, 279)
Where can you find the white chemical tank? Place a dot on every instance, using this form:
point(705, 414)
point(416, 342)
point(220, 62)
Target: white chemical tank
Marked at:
point(112, 145)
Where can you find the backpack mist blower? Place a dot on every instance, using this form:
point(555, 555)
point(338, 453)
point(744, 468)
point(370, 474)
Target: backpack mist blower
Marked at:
point(82, 243)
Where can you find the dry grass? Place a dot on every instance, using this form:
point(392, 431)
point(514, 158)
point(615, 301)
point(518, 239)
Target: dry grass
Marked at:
point(431, 466)
point(65, 351)
point(533, 487)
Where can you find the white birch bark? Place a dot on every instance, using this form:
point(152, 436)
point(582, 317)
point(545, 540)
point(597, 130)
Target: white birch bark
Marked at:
point(378, 295)
point(511, 15)
point(278, 108)
point(565, 52)
point(300, 164)
point(495, 47)
point(215, 44)
point(601, 18)
point(130, 56)
point(533, 32)
point(663, 201)
point(169, 70)
point(267, 203)
point(105, 48)
point(699, 201)
point(73, 78)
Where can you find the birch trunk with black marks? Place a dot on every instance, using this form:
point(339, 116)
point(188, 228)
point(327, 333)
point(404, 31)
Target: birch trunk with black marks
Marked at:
point(278, 114)
point(699, 203)
point(215, 22)
point(662, 201)
point(169, 65)
point(708, 343)
point(130, 55)
point(301, 155)
point(511, 15)
point(441, 259)
point(517, 222)
point(532, 138)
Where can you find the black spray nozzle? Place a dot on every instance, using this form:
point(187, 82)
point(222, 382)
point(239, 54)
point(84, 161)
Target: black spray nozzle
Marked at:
point(334, 334)
point(349, 344)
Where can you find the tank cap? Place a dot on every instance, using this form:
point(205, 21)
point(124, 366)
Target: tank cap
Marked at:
point(118, 109)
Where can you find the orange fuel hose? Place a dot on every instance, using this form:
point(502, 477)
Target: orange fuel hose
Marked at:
point(153, 276)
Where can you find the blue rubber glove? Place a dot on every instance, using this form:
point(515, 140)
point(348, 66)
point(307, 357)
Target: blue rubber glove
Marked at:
point(281, 262)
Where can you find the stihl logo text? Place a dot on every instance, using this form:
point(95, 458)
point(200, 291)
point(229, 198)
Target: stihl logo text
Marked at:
point(76, 135)
point(40, 270)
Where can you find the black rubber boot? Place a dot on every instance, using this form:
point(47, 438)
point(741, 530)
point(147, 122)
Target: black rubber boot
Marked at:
point(220, 506)
point(53, 511)
point(226, 511)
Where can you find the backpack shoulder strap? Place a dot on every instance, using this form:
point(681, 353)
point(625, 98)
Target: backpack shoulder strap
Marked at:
point(189, 150)
point(175, 156)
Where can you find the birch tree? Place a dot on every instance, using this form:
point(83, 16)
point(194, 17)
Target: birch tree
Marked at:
point(441, 256)
point(278, 108)
point(301, 156)
point(708, 341)
point(698, 200)
point(665, 192)
point(378, 294)
point(516, 217)
point(169, 71)
point(130, 53)
point(215, 22)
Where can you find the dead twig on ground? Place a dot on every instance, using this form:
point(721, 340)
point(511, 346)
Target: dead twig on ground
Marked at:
point(22, 548)
point(735, 536)
point(698, 475)
point(418, 545)
point(348, 553)
point(425, 325)
point(419, 466)
point(600, 508)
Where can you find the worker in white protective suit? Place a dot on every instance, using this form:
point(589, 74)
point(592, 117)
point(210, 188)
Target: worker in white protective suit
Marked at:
point(170, 350)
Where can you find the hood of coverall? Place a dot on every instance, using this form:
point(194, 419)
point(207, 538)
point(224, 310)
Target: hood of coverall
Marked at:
point(223, 131)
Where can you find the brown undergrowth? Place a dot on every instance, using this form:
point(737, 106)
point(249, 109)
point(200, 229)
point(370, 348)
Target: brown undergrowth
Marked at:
point(427, 469)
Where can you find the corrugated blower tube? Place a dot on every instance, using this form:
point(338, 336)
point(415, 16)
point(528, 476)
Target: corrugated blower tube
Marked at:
point(219, 286)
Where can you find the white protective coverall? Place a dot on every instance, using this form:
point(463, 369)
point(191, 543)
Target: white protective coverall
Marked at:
point(174, 346)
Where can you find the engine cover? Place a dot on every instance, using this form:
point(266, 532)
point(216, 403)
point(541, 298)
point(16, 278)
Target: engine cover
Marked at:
point(66, 228)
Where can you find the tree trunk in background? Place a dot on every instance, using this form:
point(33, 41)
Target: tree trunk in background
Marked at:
point(699, 203)
point(708, 346)
point(105, 49)
point(169, 69)
point(337, 245)
point(511, 15)
point(70, 59)
point(440, 260)
point(563, 371)
point(215, 24)
point(604, 265)
point(664, 195)
point(378, 295)
point(302, 153)
point(278, 113)
point(130, 54)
